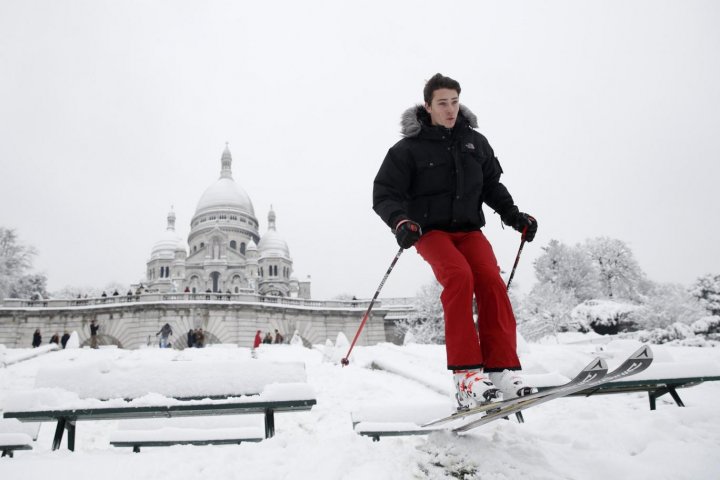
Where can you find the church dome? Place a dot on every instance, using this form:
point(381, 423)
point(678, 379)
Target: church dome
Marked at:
point(272, 244)
point(225, 193)
point(169, 242)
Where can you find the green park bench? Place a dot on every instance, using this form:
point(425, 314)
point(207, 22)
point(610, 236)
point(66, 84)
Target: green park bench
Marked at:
point(17, 436)
point(655, 386)
point(119, 395)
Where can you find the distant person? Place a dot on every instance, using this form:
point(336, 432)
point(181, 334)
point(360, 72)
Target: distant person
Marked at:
point(199, 338)
point(64, 339)
point(268, 338)
point(37, 338)
point(94, 327)
point(165, 333)
point(278, 337)
point(191, 338)
point(258, 340)
point(55, 339)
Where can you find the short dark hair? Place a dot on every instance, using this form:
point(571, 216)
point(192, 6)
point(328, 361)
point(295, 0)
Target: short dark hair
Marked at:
point(437, 82)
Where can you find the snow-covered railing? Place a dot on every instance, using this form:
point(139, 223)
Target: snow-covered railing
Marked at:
point(196, 297)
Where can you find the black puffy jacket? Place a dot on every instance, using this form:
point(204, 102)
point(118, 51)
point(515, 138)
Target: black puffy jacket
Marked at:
point(440, 177)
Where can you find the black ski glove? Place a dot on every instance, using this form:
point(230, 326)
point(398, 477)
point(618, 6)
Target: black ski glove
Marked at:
point(520, 221)
point(407, 233)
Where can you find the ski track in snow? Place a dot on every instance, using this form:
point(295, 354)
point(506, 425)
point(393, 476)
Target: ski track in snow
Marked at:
point(600, 437)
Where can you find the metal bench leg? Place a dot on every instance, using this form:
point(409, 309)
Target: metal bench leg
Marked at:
point(269, 423)
point(652, 397)
point(675, 396)
point(59, 430)
point(519, 416)
point(70, 425)
point(136, 449)
point(7, 453)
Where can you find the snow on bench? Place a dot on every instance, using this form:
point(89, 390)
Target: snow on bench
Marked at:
point(15, 435)
point(117, 390)
point(231, 429)
point(16, 355)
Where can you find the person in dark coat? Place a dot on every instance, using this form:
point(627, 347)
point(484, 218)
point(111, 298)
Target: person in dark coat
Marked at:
point(165, 333)
point(278, 337)
point(64, 339)
point(430, 191)
point(199, 338)
point(258, 340)
point(55, 339)
point(191, 338)
point(37, 338)
point(94, 327)
point(268, 338)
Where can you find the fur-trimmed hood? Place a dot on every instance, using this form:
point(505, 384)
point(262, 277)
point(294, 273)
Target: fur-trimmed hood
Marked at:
point(414, 118)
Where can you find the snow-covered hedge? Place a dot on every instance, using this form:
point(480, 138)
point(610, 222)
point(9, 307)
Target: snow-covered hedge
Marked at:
point(605, 316)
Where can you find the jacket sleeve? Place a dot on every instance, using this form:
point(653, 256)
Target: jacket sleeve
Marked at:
point(495, 194)
point(391, 187)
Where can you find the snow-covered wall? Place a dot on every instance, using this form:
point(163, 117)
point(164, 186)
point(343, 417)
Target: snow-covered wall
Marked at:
point(135, 324)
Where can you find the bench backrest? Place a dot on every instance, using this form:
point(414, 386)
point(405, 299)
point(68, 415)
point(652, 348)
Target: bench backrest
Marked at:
point(176, 379)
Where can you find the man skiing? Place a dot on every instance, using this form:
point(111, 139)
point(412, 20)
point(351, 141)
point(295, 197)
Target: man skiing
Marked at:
point(429, 190)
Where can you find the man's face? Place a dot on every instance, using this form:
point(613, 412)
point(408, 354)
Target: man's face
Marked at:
point(444, 107)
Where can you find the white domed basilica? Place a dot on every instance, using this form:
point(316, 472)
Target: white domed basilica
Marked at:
point(224, 251)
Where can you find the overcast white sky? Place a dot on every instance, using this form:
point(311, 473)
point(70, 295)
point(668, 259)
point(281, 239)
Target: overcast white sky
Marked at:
point(604, 115)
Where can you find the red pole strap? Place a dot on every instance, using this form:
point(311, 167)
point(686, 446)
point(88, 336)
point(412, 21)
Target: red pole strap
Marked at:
point(345, 361)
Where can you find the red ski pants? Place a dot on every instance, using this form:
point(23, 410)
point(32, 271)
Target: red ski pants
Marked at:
point(465, 265)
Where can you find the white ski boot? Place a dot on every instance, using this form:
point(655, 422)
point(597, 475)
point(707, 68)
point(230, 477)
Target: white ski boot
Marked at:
point(473, 388)
point(510, 384)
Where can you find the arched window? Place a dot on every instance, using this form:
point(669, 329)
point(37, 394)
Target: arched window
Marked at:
point(202, 244)
point(237, 289)
point(242, 248)
point(233, 244)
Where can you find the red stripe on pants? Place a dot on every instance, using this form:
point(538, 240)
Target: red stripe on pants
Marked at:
point(465, 265)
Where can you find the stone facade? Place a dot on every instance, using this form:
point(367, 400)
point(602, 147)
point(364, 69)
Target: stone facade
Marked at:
point(132, 322)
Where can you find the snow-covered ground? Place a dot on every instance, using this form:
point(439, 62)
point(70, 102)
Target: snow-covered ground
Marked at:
point(610, 436)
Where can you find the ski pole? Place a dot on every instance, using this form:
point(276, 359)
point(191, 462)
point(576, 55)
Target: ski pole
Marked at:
point(517, 258)
point(345, 361)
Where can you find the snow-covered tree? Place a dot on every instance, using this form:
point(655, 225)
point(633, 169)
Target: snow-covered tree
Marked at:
point(568, 269)
point(546, 311)
point(666, 304)
point(427, 324)
point(15, 260)
point(707, 290)
point(31, 286)
point(619, 274)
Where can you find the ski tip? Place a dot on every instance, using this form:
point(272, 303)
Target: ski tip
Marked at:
point(644, 352)
point(597, 364)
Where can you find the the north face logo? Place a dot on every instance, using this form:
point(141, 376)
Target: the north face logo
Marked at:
point(470, 146)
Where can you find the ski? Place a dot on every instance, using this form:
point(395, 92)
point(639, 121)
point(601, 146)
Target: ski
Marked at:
point(594, 371)
point(637, 362)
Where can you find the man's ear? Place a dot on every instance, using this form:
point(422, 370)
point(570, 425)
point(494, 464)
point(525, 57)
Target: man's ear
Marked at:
point(427, 108)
